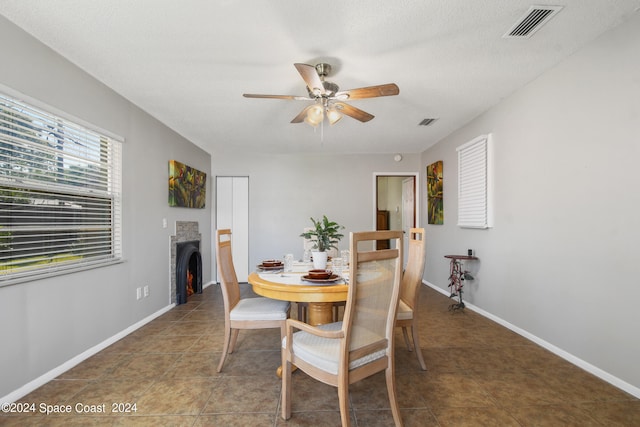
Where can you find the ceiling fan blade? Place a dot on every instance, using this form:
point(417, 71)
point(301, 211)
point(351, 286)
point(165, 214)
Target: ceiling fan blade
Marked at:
point(354, 112)
point(388, 89)
point(311, 78)
point(297, 98)
point(300, 117)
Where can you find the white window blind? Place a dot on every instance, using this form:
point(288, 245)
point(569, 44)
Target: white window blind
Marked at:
point(60, 194)
point(473, 183)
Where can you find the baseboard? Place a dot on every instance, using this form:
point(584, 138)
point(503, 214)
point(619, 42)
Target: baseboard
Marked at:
point(57, 371)
point(615, 381)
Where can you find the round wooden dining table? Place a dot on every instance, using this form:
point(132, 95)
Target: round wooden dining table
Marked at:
point(290, 287)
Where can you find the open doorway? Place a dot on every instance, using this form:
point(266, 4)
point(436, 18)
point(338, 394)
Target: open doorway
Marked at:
point(395, 205)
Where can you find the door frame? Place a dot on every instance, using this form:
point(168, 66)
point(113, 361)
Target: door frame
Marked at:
point(416, 190)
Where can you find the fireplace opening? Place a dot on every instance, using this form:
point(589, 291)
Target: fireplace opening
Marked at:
point(188, 270)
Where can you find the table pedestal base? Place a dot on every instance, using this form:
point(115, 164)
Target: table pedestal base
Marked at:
point(320, 313)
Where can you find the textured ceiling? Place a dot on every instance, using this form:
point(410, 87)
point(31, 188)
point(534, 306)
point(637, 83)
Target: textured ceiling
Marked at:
point(188, 62)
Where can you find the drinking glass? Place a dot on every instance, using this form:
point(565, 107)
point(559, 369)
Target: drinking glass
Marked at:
point(306, 257)
point(344, 254)
point(288, 263)
point(336, 265)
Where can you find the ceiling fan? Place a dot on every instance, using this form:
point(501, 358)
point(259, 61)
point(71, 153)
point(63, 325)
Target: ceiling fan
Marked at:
point(328, 98)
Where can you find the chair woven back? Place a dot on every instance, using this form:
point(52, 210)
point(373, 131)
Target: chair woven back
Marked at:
point(228, 278)
point(412, 278)
point(373, 294)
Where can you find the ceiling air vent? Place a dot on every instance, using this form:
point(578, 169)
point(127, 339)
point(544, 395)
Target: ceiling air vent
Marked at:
point(531, 22)
point(426, 122)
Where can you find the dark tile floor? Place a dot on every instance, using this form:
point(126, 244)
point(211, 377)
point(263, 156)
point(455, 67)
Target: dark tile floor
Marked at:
point(479, 374)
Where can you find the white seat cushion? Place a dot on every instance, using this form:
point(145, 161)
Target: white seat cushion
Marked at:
point(325, 352)
point(260, 309)
point(404, 311)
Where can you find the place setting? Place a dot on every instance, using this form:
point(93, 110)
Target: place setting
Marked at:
point(271, 265)
point(327, 276)
point(321, 276)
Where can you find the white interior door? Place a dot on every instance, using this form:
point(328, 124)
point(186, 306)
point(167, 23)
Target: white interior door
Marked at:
point(232, 211)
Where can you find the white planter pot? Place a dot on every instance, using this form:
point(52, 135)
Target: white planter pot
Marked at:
point(319, 260)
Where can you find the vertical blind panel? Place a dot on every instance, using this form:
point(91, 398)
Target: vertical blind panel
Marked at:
point(60, 193)
point(472, 184)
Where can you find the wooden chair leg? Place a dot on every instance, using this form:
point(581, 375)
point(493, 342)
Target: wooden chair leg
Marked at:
point(416, 345)
point(225, 348)
point(285, 404)
point(234, 339)
point(391, 390)
point(283, 332)
point(302, 311)
point(336, 310)
point(343, 400)
point(407, 341)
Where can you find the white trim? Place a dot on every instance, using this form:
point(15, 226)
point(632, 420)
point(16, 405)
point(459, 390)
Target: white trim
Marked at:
point(57, 371)
point(603, 375)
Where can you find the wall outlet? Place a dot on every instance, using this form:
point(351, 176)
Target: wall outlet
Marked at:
point(138, 293)
point(146, 291)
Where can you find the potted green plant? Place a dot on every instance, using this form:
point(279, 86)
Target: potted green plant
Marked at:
point(325, 235)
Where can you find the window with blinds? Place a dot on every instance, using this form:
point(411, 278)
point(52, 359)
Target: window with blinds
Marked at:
point(473, 183)
point(60, 194)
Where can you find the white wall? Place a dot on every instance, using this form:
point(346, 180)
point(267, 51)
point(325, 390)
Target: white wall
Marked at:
point(47, 323)
point(286, 190)
point(561, 262)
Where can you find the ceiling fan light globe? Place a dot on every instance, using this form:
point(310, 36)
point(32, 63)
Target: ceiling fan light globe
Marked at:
point(315, 115)
point(313, 121)
point(316, 112)
point(333, 115)
point(310, 122)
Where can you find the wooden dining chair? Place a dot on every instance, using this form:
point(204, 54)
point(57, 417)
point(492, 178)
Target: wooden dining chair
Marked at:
point(410, 292)
point(342, 353)
point(245, 313)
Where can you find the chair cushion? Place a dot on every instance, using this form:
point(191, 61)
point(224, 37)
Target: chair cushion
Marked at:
point(324, 353)
point(260, 309)
point(404, 311)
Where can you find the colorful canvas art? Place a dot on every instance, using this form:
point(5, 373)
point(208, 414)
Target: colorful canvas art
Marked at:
point(435, 206)
point(187, 186)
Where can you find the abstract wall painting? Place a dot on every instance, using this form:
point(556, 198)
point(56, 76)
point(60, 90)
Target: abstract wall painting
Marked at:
point(187, 186)
point(435, 206)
